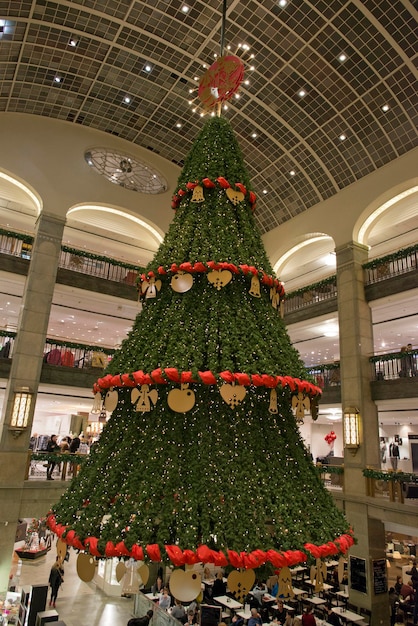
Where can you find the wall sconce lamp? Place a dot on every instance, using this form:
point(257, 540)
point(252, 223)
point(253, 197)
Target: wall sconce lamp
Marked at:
point(351, 429)
point(22, 401)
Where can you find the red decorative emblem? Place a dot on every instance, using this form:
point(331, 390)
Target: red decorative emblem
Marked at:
point(221, 80)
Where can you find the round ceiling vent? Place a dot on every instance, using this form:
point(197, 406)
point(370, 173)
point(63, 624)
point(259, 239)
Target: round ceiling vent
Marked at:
point(126, 171)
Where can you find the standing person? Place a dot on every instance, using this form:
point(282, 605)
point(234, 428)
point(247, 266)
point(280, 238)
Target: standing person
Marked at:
point(219, 586)
point(56, 578)
point(51, 447)
point(308, 618)
point(394, 455)
point(141, 621)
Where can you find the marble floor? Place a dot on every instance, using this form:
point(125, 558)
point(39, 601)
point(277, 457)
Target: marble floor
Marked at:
point(78, 603)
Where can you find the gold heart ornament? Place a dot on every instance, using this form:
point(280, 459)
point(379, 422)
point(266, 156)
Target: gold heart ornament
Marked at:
point(234, 196)
point(241, 583)
point(233, 395)
point(219, 278)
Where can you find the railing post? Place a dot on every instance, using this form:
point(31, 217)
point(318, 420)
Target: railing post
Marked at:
point(28, 462)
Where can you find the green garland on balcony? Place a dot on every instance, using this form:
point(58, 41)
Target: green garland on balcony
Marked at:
point(400, 254)
point(391, 356)
point(402, 477)
point(330, 469)
point(322, 283)
point(59, 458)
point(99, 257)
point(323, 367)
point(7, 333)
point(13, 235)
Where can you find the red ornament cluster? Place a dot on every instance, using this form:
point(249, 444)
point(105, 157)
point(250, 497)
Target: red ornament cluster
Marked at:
point(330, 437)
point(203, 554)
point(207, 183)
point(161, 376)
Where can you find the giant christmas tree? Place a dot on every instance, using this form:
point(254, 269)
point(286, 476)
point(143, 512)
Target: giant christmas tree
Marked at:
point(202, 459)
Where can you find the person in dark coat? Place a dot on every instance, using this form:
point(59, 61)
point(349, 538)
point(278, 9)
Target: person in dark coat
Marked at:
point(141, 621)
point(219, 586)
point(56, 578)
point(51, 447)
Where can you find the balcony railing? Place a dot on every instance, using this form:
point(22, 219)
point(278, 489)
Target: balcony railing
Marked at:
point(69, 354)
point(66, 465)
point(20, 245)
point(312, 294)
point(394, 365)
point(391, 265)
point(325, 375)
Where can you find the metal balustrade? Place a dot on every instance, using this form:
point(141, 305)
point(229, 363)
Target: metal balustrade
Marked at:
point(395, 365)
point(392, 265)
point(312, 294)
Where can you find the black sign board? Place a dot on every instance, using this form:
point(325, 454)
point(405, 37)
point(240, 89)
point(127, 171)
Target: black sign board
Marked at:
point(380, 583)
point(358, 580)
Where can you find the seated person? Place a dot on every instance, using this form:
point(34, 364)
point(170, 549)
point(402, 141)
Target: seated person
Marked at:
point(164, 601)
point(219, 586)
point(255, 619)
point(332, 618)
point(280, 613)
point(178, 611)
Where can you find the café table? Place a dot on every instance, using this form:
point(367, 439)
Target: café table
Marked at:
point(245, 614)
point(299, 592)
point(315, 600)
point(343, 595)
point(348, 616)
point(325, 586)
point(267, 598)
point(228, 602)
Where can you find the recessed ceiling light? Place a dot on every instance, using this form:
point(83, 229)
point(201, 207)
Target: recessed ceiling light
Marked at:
point(265, 191)
point(73, 42)
point(57, 79)
point(301, 93)
point(253, 135)
point(246, 82)
point(292, 173)
point(185, 9)
point(148, 68)
point(282, 3)
point(178, 125)
point(342, 57)
point(126, 99)
point(385, 108)
point(342, 137)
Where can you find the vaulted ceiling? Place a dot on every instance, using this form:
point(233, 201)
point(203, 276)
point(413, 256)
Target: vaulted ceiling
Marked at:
point(331, 97)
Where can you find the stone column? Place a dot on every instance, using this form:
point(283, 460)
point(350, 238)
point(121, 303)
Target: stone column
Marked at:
point(356, 346)
point(25, 372)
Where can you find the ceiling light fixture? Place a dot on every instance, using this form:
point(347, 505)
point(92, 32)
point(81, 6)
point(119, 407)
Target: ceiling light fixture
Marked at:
point(342, 57)
point(301, 93)
point(185, 9)
point(148, 68)
point(292, 173)
point(57, 79)
point(385, 108)
point(127, 100)
point(254, 135)
point(282, 3)
point(342, 137)
point(73, 42)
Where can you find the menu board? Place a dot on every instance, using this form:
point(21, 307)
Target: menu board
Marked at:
point(358, 580)
point(380, 583)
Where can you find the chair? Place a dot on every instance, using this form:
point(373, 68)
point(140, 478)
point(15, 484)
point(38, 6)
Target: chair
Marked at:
point(366, 615)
